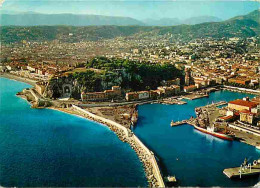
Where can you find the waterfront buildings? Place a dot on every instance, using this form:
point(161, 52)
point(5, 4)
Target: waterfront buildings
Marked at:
point(242, 104)
point(114, 93)
point(245, 110)
point(190, 88)
point(162, 91)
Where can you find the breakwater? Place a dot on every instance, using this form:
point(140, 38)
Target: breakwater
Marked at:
point(146, 156)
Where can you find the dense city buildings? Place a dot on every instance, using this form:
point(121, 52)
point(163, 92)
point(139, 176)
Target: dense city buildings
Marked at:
point(232, 61)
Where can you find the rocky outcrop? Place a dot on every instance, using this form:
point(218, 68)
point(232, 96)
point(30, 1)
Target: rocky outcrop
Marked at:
point(62, 87)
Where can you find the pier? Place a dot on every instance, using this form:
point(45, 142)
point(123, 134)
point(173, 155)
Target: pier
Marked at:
point(243, 171)
point(196, 96)
point(172, 101)
point(220, 103)
point(177, 123)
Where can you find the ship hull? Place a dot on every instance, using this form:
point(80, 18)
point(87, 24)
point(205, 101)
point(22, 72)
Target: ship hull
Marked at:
point(219, 135)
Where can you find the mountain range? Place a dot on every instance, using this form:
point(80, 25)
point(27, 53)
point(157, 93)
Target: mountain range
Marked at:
point(240, 26)
point(34, 19)
point(176, 21)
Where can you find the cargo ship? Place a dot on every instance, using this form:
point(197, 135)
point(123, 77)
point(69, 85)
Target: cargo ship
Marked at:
point(203, 124)
point(213, 132)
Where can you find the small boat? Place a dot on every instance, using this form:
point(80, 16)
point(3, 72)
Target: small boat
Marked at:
point(170, 179)
point(212, 132)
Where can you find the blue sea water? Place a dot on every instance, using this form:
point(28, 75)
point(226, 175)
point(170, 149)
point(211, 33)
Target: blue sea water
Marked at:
point(197, 159)
point(42, 147)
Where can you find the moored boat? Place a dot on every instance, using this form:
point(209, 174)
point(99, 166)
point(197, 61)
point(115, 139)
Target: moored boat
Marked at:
point(205, 124)
point(214, 133)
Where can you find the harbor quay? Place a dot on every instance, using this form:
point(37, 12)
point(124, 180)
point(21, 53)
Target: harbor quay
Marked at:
point(242, 90)
point(213, 117)
point(244, 170)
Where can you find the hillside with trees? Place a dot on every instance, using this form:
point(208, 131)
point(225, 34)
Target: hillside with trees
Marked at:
point(129, 75)
point(241, 26)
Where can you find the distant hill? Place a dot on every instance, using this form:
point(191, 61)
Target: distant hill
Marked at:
point(240, 26)
point(35, 19)
point(201, 19)
point(12, 18)
point(162, 22)
point(255, 16)
point(176, 21)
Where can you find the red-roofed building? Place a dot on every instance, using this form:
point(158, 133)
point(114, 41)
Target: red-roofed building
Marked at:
point(189, 88)
point(240, 105)
point(226, 118)
point(245, 108)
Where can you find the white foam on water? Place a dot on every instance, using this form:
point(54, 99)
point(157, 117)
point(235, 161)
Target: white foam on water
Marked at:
point(257, 185)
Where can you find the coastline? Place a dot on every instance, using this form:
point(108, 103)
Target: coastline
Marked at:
point(32, 82)
point(18, 78)
point(121, 135)
point(144, 158)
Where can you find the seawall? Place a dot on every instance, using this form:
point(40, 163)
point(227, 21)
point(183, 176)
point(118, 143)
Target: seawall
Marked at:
point(126, 135)
point(244, 90)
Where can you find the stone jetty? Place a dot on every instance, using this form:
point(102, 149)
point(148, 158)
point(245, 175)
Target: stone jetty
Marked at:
point(147, 157)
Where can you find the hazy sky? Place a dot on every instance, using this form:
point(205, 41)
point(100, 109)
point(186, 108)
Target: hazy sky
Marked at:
point(139, 9)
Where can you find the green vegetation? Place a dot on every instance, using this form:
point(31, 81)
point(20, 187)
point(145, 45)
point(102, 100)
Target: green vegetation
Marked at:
point(130, 75)
point(134, 75)
point(89, 80)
